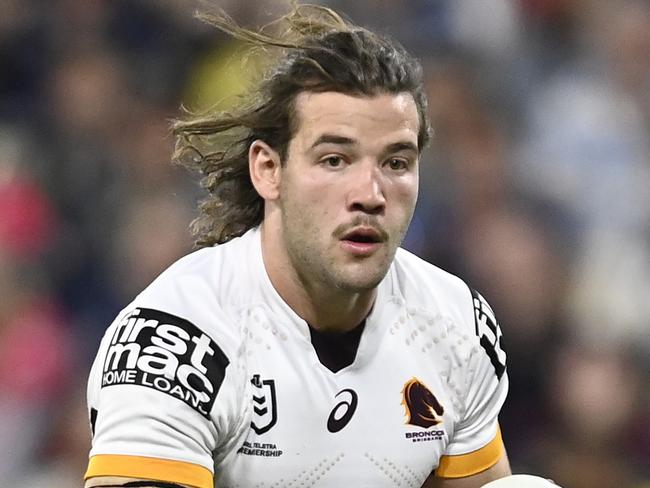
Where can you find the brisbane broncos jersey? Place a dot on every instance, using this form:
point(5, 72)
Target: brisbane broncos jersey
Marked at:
point(210, 379)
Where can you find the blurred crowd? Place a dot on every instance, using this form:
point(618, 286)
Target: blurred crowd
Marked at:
point(536, 190)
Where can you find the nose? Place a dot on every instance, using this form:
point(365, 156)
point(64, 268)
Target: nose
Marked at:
point(366, 193)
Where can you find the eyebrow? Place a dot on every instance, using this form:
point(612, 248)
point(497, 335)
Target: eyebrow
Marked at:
point(346, 141)
point(401, 146)
point(333, 139)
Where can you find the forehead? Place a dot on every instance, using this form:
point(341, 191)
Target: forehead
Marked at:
point(358, 117)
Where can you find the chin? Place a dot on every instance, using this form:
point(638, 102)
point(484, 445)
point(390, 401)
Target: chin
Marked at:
point(359, 282)
point(358, 275)
point(360, 286)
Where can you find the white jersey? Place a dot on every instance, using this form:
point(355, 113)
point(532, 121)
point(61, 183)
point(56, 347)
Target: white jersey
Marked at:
point(210, 379)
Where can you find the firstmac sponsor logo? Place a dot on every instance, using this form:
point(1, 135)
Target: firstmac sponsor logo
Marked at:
point(167, 353)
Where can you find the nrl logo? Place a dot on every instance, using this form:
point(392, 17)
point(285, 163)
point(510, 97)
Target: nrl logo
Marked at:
point(264, 405)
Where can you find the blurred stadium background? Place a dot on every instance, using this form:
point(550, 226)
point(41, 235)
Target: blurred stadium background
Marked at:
point(536, 189)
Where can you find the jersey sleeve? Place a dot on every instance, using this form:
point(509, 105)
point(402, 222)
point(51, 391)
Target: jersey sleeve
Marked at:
point(476, 444)
point(162, 396)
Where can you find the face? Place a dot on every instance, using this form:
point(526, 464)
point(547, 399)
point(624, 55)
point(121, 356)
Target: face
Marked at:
point(349, 186)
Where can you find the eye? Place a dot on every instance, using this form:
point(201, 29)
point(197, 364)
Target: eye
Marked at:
point(333, 161)
point(397, 164)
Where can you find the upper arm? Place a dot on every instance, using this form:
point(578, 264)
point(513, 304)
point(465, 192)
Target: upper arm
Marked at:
point(495, 472)
point(475, 445)
point(160, 401)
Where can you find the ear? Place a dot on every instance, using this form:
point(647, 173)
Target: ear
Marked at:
point(264, 166)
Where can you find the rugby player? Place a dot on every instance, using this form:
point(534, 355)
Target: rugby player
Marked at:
point(301, 346)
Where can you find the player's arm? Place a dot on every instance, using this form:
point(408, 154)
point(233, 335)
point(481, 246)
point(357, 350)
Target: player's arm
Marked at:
point(151, 394)
point(121, 482)
point(476, 454)
point(495, 472)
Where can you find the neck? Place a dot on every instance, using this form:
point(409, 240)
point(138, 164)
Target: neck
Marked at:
point(325, 308)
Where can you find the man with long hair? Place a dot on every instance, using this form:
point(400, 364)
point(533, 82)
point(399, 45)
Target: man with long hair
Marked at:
point(301, 346)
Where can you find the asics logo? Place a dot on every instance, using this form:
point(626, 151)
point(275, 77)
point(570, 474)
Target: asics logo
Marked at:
point(343, 411)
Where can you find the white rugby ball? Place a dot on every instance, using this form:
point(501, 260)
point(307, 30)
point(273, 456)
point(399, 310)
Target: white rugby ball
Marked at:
point(521, 481)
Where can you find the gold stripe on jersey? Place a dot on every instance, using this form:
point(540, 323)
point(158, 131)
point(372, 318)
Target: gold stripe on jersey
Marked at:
point(149, 469)
point(473, 462)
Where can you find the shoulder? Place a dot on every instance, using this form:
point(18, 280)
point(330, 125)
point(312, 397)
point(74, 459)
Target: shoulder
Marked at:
point(436, 293)
point(201, 291)
point(213, 275)
point(179, 335)
point(424, 285)
point(213, 268)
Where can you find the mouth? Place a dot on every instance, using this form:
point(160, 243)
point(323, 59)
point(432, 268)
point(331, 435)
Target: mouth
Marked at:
point(362, 241)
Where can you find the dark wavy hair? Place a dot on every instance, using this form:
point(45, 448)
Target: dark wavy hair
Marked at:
point(318, 51)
